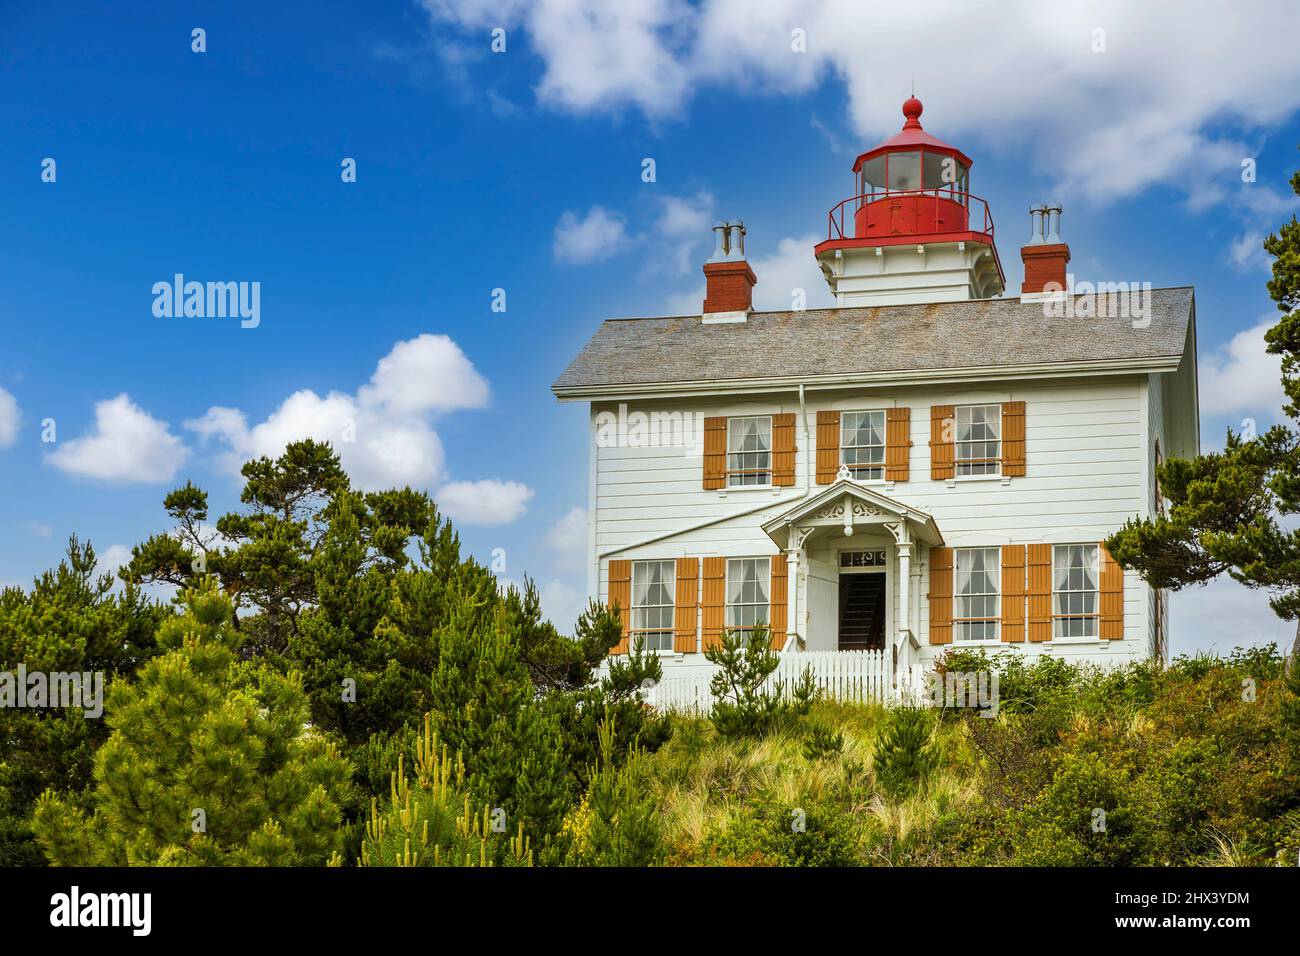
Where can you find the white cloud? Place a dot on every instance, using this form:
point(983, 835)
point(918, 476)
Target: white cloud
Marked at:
point(593, 238)
point(38, 528)
point(383, 434)
point(10, 417)
point(567, 538)
point(1242, 377)
point(677, 240)
point(428, 373)
point(484, 502)
point(683, 232)
point(113, 558)
point(598, 55)
point(685, 303)
point(1142, 112)
point(126, 445)
point(791, 267)
point(1247, 253)
point(561, 601)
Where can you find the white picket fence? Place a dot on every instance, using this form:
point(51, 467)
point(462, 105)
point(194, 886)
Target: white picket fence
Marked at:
point(858, 676)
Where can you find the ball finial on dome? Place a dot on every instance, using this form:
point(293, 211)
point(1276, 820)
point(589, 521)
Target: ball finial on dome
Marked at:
point(912, 109)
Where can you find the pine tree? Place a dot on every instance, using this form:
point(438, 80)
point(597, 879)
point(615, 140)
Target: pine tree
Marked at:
point(488, 710)
point(903, 758)
point(624, 828)
point(428, 822)
point(1232, 511)
point(210, 761)
point(72, 621)
point(745, 704)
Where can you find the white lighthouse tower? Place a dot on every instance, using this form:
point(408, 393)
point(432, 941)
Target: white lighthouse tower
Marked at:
point(912, 232)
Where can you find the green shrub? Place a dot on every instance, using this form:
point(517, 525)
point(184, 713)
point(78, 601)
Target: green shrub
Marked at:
point(1091, 814)
point(823, 742)
point(428, 822)
point(621, 825)
point(765, 833)
point(745, 704)
point(904, 758)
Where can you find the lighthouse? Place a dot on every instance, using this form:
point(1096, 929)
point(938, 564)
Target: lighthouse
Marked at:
point(911, 231)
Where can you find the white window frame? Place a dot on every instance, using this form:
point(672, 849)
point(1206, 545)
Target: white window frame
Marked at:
point(658, 639)
point(883, 446)
point(765, 577)
point(739, 477)
point(991, 465)
point(1061, 622)
point(962, 622)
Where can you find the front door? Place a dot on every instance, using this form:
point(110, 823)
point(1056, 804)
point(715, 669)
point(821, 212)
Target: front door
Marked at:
point(862, 612)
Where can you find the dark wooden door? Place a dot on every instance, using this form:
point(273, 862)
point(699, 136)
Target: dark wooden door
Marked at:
point(862, 612)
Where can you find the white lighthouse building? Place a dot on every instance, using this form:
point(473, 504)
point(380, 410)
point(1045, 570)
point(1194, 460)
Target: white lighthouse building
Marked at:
point(933, 463)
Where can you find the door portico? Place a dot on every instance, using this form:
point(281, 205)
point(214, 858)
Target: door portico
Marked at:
point(846, 530)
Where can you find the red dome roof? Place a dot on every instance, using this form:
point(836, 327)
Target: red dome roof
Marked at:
point(912, 137)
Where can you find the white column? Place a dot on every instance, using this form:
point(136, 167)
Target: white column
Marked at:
point(903, 613)
point(794, 607)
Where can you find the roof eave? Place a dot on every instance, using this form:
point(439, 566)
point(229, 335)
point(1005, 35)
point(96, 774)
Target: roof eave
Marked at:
point(892, 378)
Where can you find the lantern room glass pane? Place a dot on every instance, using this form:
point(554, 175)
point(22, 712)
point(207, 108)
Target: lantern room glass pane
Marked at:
point(904, 171)
point(944, 172)
point(873, 174)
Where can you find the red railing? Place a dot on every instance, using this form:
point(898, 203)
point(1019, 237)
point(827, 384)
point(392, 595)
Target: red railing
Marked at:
point(922, 211)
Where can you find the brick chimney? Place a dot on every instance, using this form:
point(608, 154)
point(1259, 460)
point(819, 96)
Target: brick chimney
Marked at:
point(729, 281)
point(1045, 256)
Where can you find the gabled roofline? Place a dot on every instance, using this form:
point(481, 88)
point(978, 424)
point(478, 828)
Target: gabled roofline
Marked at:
point(800, 511)
point(883, 379)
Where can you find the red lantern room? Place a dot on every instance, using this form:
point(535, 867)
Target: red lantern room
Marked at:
point(912, 190)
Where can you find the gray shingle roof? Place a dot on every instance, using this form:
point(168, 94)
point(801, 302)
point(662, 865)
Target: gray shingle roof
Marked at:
point(849, 341)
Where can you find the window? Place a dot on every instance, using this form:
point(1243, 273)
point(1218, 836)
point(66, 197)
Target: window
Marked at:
point(862, 444)
point(862, 559)
point(904, 171)
point(976, 610)
point(749, 451)
point(653, 603)
point(979, 445)
point(747, 586)
point(1074, 590)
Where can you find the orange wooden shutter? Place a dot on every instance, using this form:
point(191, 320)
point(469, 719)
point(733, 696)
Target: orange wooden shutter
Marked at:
point(1013, 592)
point(898, 443)
point(828, 446)
point(620, 596)
point(714, 600)
point(940, 595)
point(942, 464)
point(1039, 564)
point(715, 452)
point(1013, 438)
point(687, 591)
point(783, 449)
point(777, 604)
point(1112, 596)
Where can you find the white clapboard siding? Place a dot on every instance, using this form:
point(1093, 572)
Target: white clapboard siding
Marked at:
point(1085, 444)
point(1088, 444)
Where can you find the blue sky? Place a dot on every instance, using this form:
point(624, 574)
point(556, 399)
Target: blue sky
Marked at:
point(522, 171)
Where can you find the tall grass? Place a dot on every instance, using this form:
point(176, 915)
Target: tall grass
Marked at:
point(710, 787)
point(1194, 764)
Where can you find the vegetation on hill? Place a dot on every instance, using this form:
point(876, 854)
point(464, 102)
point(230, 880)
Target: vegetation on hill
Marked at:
point(1195, 764)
